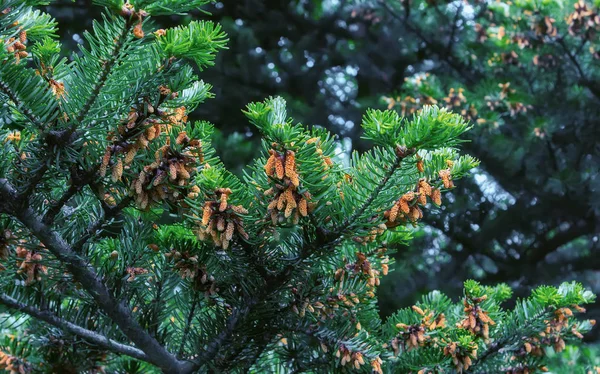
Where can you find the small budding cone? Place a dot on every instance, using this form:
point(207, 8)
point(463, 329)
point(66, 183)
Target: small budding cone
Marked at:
point(270, 165)
point(414, 213)
point(206, 213)
point(159, 178)
point(221, 224)
point(420, 166)
point(290, 163)
point(288, 210)
point(289, 197)
point(425, 187)
point(445, 177)
point(404, 200)
point(303, 207)
point(281, 201)
point(117, 171)
point(182, 138)
point(130, 155)
point(279, 169)
point(151, 133)
point(138, 32)
point(295, 179)
point(436, 196)
point(105, 161)
point(183, 173)
point(290, 168)
point(394, 212)
point(172, 172)
point(229, 230)
point(239, 209)
point(223, 203)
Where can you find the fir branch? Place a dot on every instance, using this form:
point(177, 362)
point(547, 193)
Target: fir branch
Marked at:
point(26, 112)
point(213, 347)
point(57, 206)
point(84, 273)
point(497, 346)
point(109, 213)
point(105, 72)
point(88, 335)
point(34, 181)
point(188, 324)
point(348, 222)
point(78, 181)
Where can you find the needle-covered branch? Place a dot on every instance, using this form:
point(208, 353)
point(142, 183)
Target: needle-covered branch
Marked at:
point(130, 222)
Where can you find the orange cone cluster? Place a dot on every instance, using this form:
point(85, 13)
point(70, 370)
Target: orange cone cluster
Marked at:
point(411, 337)
point(338, 300)
point(462, 357)
point(349, 358)
point(13, 364)
point(408, 206)
point(170, 172)
point(17, 46)
point(133, 272)
point(282, 167)
point(363, 267)
point(30, 264)
point(220, 219)
point(554, 332)
point(372, 235)
point(476, 320)
point(584, 20)
point(376, 366)
point(414, 336)
point(287, 201)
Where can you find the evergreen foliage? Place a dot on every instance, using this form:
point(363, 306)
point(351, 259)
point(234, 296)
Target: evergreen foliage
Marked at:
point(127, 245)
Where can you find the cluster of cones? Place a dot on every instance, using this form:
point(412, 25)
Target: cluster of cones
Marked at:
point(462, 357)
point(583, 20)
point(169, 173)
point(189, 268)
point(30, 265)
point(414, 336)
point(13, 364)
point(348, 357)
point(29, 262)
point(476, 320)
point(287, 202)
point(17, 46)
point(407, 207)
point(172, 168)
point(220, 219)
point(362, 267)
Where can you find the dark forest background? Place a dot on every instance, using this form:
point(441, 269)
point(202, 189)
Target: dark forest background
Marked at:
point(526, 75)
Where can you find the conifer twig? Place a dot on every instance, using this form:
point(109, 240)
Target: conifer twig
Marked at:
point(88, 335)
point(105, 72)
point(382, 183)
point(26, 112)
